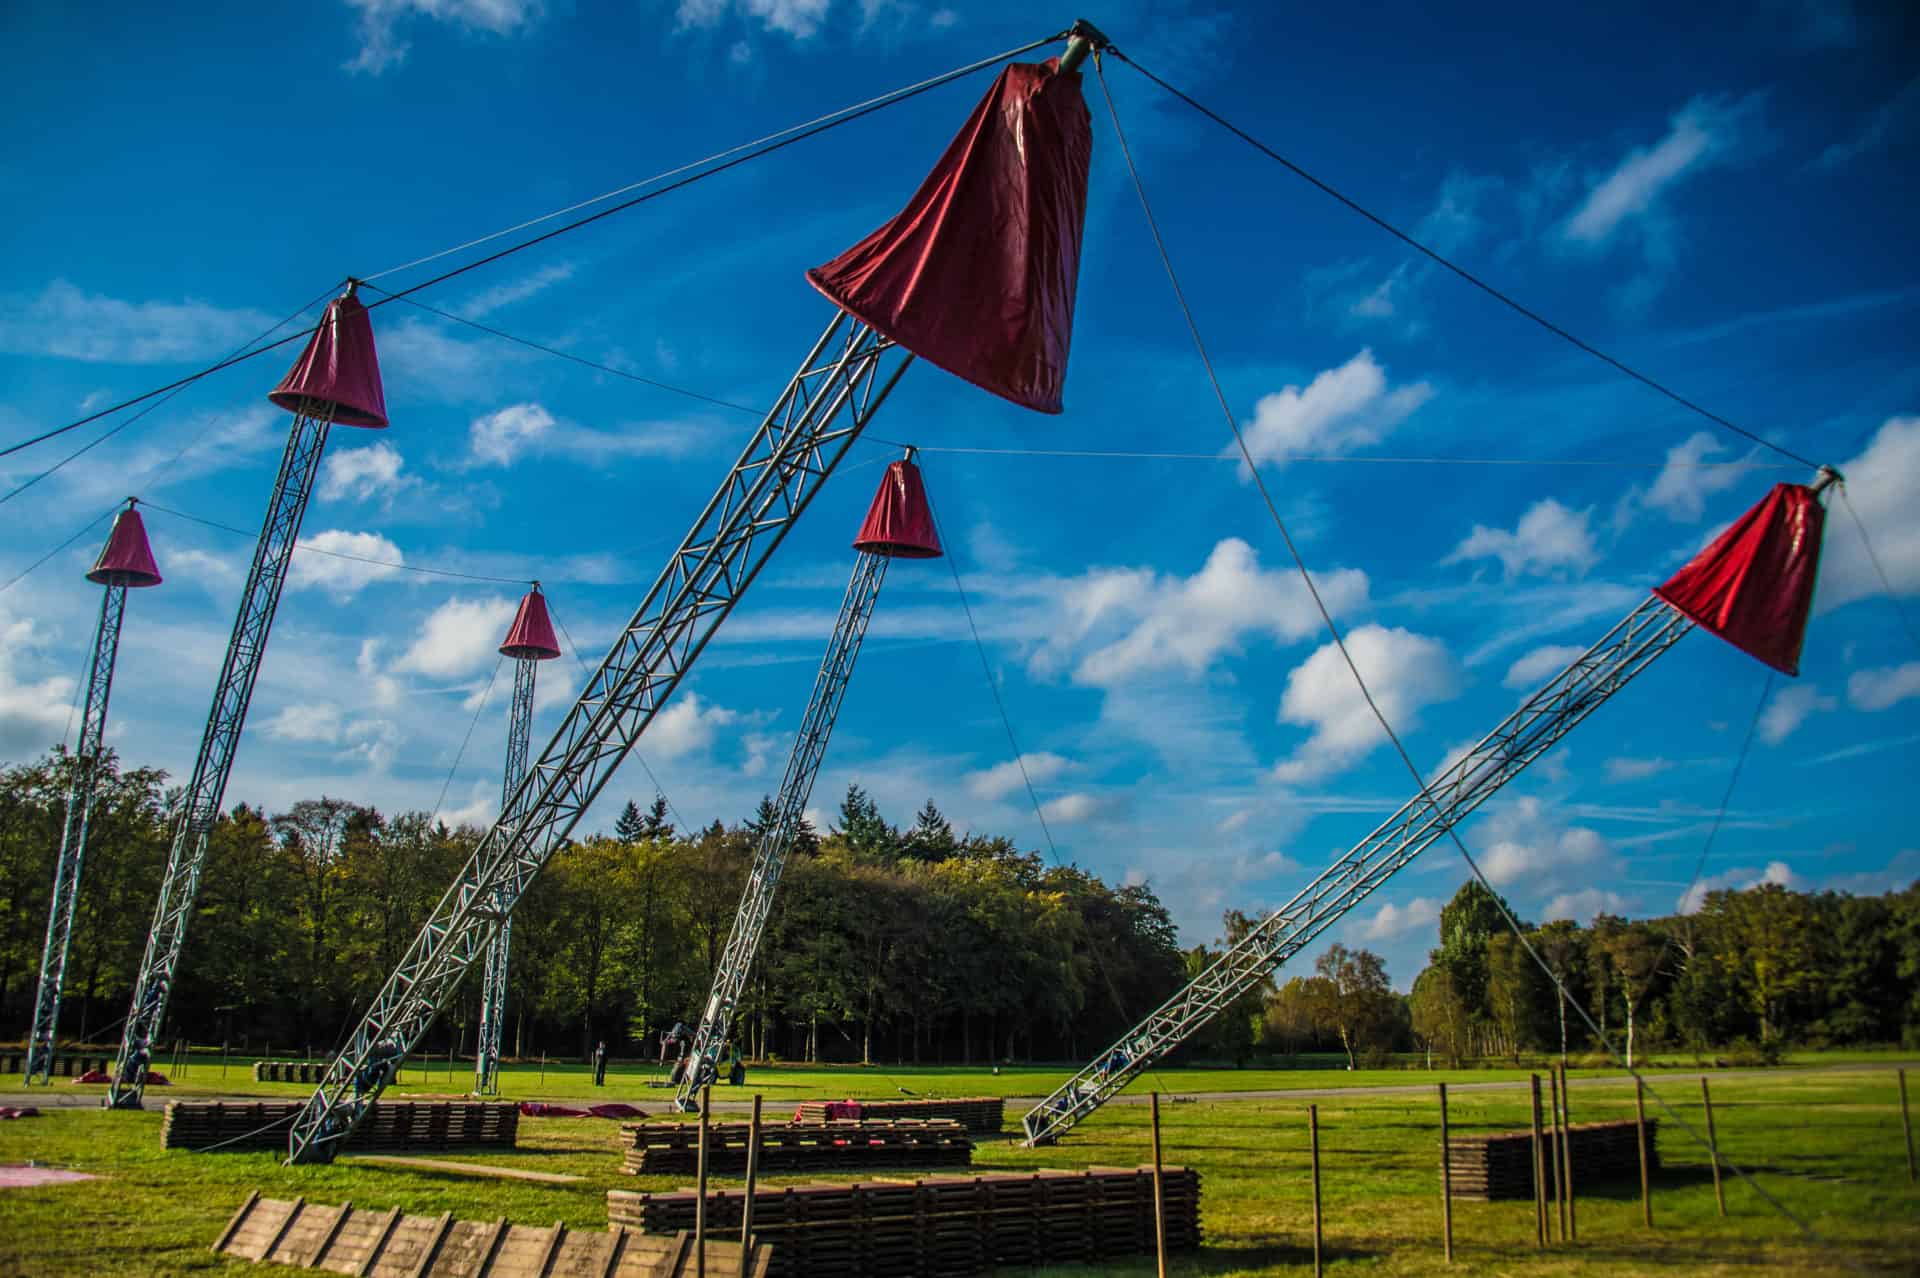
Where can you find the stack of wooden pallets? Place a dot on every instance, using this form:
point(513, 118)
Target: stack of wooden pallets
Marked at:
point(64, 1066)
point(388, 1125)
point(975, 1113)
point(386, 1244)
point(1494, 1165)
point(655, 1149)
point(295, 1072)
point(946, 1226)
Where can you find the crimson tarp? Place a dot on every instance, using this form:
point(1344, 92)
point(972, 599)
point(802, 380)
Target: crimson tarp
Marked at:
point(1754, 585)
point(339, 367)
point(126, 559)
point(531, 634)
point(977, 274)
point(899, 523)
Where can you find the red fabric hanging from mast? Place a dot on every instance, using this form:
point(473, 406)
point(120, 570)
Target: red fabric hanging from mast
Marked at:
point(899, 523)
point(338, 368)
point(126, 559)
point(1754, 585)
point(977, 274)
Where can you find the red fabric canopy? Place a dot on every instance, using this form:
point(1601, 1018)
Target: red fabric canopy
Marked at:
point(899, 524)
point(977, 274)
point(126, 559)
point(531, 634)
point(1754, 585)
point(339, 367)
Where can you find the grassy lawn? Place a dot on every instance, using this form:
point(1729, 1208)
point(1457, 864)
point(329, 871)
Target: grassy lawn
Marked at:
point(1829, 1147)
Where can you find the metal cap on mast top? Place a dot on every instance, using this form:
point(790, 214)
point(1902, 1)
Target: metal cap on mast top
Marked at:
point(126, 559)
point(531, 635)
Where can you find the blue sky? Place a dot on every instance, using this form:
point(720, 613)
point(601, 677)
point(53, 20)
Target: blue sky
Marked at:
point(1724, 201)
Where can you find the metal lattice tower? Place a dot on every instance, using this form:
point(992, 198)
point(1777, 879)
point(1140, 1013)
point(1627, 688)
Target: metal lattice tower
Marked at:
point(529, 642)
point(336, 379)
point(850, 370)
point(1525, 735)
point(899, 525)
point(126, 561)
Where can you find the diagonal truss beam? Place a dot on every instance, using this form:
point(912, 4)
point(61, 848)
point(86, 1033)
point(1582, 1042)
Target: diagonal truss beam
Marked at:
point(776, 841)
point(81, 792)
point(1525, 735)
point(200, 806)
point(789, 457)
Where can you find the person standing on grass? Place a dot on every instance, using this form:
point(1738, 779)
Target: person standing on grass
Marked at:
point(600, 1063)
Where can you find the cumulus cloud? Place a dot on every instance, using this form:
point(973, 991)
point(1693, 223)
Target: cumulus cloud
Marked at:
point(1070, 808)
point(1707, 129)
point(688, 725)
point(1525, 841)
point(502, 437)
point(33, 712)
point(1405, 671)
point(363, 473)
point(1391, 921)
point(382, 48)
point(459, 637)
point(372, 742)
point(1791, 707)
point(1888, 686)
point(1003, 779)
point(800, 19)
point(1549, 539)
point(1342, 409)
point(1683, 485)
point(65, 322)
point(1583, 905)
point(1776, 872)
point(1883, 487)
point(343, 563)
point(318, 723)
point(1624, 769)
point(1170, 622)
point(1532, 670)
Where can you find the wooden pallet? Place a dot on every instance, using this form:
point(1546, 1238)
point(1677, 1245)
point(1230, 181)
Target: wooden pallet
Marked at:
point(64, 1066)
point(296, 1072)
point(197, 1125)
point(674, 1148)
point(975, 1113)
point(386, 1244)
point(1499, 1165)
point(941, 1227)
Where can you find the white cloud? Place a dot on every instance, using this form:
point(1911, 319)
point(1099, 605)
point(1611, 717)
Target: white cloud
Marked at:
point(33, 713)
point(1684, 483)
point(67, 323)
point(1901, 872)
point(1405, 673)
point(490, 300)
point(322, 562)
point(1070, 808)
point(1391, 921)
point(1342, 409)
point(1003, 779)
point(312, 723)
point(1530, 671)
point(1776, 872)
point(1581, 906)
point(1527, 842)
point(363, 473)
point(1883, 487)
point(381, 47)
point(459, 637)
point(374, 743)
point(499, 438)
point(1186, 623)
point(688, 725)
point(1624, 769)
point(1549, 539)
point(1703, 130)
point(800, 19)
point(1791, 707)
point(1888, 686)
point(413, 352)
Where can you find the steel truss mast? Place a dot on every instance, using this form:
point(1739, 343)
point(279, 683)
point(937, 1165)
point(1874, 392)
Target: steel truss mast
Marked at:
point(776, 841)
point(493, 981)
point(790, 456)
point(1544, 718)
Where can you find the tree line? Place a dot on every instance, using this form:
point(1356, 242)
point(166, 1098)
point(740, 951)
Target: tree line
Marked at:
point(885, 943)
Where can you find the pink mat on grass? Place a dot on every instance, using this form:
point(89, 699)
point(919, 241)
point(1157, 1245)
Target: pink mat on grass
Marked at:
point(16, 1176)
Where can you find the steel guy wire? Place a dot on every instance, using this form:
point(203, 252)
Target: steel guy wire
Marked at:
point(81, 532)
point(461, 753)
point(1366, 693)
point(1321, 458)
point(1893, 599)
point(735, 157)
point(1489, 289)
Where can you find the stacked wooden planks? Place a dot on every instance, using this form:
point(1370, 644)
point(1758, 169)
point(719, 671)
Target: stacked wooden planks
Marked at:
point(674, 1148)
point(295, 1072)
point(386, 1244)
point(1493, 1165)
point(197, 1125)
point(975, 1113)
point(947, 1226)
point(64, 1065)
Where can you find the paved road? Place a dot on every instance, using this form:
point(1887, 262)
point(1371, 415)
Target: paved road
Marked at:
point(65, 1095)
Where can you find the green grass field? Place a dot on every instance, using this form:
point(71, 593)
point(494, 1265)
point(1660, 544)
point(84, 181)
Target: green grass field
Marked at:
point(1828, 1146)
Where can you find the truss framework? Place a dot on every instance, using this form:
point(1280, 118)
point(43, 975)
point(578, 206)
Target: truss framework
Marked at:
point(776, 841)
point(789, 457)
point(200, 805)
point(73, 836)
point(1526, 734)
point(493, 981)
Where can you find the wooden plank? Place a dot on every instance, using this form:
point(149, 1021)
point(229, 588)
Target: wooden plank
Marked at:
point(233, 1226)
point(327, 1236)
point(380, 1243)
point(431, 1251)
point(468, 1169)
